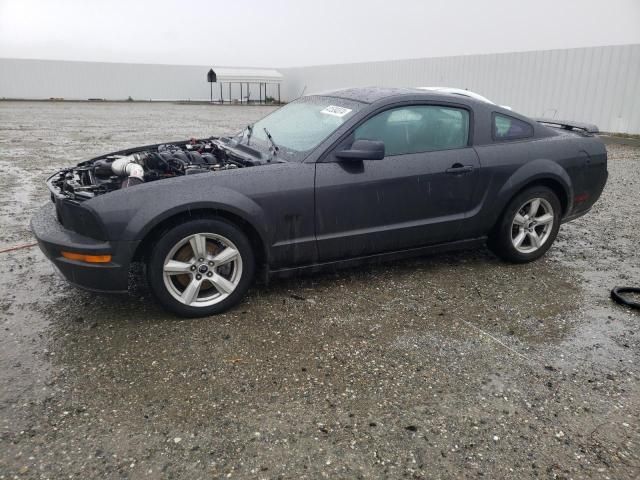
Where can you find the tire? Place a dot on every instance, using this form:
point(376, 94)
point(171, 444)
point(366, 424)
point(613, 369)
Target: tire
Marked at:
point(208, 283)
point(520, 238)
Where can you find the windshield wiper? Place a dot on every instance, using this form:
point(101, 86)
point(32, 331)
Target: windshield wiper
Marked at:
point(238, 137)
point(274, 148)
point(250, 129)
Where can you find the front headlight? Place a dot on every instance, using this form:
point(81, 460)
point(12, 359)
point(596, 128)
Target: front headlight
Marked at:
point(80, 219)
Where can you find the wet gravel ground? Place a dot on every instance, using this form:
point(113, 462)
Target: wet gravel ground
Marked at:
point(440, 367)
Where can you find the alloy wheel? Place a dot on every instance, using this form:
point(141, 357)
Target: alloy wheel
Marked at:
point(202, 269)
point(532, 225)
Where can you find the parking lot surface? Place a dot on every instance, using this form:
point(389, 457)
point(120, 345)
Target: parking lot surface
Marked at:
point(449, 366)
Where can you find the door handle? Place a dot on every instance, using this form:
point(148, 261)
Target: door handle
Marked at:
point(458, 169)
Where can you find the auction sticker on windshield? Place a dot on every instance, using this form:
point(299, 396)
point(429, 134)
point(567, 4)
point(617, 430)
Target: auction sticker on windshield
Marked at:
point(335, 111)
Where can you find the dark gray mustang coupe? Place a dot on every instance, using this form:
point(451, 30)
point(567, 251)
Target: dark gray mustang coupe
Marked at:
point(327, 180)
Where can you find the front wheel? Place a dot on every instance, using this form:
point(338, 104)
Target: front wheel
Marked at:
point(202, 267)
point(528, 226)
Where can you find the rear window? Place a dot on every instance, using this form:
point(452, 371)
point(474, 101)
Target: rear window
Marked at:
point(510, 128)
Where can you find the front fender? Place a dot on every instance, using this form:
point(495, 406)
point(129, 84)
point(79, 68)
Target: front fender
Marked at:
point(130, 214)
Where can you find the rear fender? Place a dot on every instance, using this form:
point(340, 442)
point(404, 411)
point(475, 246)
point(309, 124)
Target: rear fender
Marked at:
point(535, 171)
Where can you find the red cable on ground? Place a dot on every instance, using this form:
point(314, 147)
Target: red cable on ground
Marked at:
point(18, 247)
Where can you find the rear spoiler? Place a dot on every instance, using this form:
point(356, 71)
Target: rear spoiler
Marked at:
point(568, 125)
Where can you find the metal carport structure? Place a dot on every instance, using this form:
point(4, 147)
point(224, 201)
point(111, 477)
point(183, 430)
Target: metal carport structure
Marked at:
point(236, 84)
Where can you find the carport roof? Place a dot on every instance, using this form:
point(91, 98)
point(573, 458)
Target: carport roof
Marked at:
point(247, 75)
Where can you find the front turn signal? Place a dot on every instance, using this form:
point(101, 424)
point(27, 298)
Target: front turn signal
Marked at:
point(82, 257)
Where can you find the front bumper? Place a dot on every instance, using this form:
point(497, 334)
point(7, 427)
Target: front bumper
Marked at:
point(53, 238)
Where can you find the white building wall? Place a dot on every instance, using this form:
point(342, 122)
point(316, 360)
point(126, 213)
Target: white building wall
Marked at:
point(599, 85)
point(43, 79)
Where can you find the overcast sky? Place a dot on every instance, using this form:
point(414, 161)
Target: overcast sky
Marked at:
point(285, 33)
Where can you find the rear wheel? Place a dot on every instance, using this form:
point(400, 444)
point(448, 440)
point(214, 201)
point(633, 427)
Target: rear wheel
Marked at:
point(201, 268)
point(528, 226)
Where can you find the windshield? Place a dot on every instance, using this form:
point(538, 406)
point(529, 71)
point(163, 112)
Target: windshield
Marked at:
point(300, 126)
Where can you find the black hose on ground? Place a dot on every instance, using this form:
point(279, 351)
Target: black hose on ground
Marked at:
point(618, 295)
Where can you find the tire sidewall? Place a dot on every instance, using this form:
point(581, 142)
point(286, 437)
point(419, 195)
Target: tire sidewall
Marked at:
point(500, 239)
point(166, 242)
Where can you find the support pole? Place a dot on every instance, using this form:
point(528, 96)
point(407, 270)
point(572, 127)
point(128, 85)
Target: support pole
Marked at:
point(221, 97)
point(278, 94)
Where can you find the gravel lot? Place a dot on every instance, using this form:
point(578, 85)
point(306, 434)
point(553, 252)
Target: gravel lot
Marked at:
point(441, 367)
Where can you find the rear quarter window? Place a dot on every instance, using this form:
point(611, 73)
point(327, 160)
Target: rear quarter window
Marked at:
point(510, 128)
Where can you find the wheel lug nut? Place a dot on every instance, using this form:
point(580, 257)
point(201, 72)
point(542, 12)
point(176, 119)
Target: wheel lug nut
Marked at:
point(211, 264)
point(210, 274)
point(201, 259)
point(198, 277)
point(193, 267)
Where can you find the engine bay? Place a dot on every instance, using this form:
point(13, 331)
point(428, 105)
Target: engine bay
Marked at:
point(146, 164)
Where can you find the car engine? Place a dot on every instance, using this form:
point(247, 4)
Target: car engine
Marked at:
point(129, 168)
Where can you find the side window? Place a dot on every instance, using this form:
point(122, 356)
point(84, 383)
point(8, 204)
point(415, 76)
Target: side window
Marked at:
point(417, 128)
point(509, 128)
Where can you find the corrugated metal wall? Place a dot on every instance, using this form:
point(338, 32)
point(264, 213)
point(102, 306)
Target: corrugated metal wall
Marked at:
point(598, 85)
point(41, 79)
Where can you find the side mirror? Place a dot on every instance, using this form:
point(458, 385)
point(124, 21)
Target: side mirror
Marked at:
point(363, 150)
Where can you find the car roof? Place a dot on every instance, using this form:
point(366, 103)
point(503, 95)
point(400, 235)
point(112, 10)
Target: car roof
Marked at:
point(466, 93)
point(374, 94)
point(457, 91)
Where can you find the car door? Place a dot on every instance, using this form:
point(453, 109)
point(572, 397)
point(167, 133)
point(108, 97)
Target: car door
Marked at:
point(417, 195)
